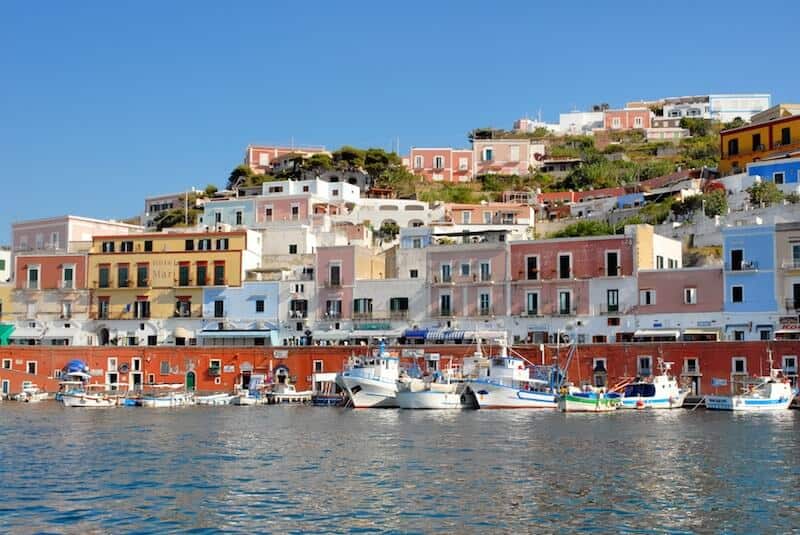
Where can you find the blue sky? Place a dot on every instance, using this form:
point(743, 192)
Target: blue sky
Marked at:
point(103, 103)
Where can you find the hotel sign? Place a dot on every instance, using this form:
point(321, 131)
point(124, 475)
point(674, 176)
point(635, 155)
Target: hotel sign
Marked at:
point(162, 273)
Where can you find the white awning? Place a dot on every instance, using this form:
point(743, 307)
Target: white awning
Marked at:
point(181, 332)
point(657, 333)
point(391, 333)
point(27, 332)
point(234, 334)
point(330, 335)
point(715, 332)
point(60, 332)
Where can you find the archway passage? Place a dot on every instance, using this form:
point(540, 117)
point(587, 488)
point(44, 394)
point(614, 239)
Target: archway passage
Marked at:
point(281, 374)
point(103, 336)
point(191, 381)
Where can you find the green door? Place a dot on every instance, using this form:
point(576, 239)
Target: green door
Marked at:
point(190, 381)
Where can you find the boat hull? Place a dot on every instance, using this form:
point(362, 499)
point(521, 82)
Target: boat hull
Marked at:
point(218, 399)
point(165, 402)
point(572, 403)
point(368, 393)
point(674, 402)
point(489, 395)
point(744, 404)
point(429, 400)
point(88, 401)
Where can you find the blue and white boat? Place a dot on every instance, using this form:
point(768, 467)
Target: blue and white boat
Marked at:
point(773, 393)
point(505, 382)
point(663, 392)
point(371, 381)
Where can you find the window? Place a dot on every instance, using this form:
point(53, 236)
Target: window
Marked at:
point(33, 277)
point(615, 122)
point(659, 262)
point(126, 246)
point(637, 122)
point(259, 306)
point(532, 304)
point(2, 264)
point(739, 365)
point(647, 297)
point(217, 217)
point(201, 274)
point(122, 276)
point(54, 240)
point(362, 307)
point(690, 365)
point(564, 302)
point(645, 366)
point(778, 178)
point(219, 308)
point(487, 154)
point(103, 308)
point(484, 303)
point(446, 276)
point(733, 147)
point(690, 296)
point(30, 367)
point(333, 308)
point(142, 275)
point(413, 273)
point(487, 218)
point(737, 259)
point(141, 309)
point(66, 310)
point(222, 244)
point(466, 217)
point(219, 274)
point(189, 245)
point(398, 306)
point(612, 263)
point(438, 162)
point(268, 213)
point(672, 263)
point(292, 248)
point(416, 243)
point(68, 277)
point(6, 364)
point(532, 267)
point(204, 244)
point(613, 322)
point(513, 153)
point(238, 217)
point(465, 269)
point(335, 275)
point(183, 274)
point(564, 266)
point(737, 294)
point(107, 247)
point(418, 162)
point(600, 372)
point(757, 143)
point(463, 164)
point(738, 335)
point(164, 367)
point(612, 300)
point(765, 334)
point(318, 366)
point(295, 212)
point(786, 136)
point(444, 304)
point(299, 288)
point(486, 271)
point(148, 246)
point(183, 307)
point(789, 364)
point(103, 276)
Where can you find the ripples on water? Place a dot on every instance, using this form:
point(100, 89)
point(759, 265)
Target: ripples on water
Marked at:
point(301, 469)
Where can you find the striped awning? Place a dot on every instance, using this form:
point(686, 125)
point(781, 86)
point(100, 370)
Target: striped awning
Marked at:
point(416, 333)
point(445, 335)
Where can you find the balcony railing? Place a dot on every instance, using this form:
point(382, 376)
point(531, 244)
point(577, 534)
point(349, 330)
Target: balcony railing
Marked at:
point(486, 311)
point(332, 283)
point(398, 314)
point(690, 370)
point(792, 304)
point(744, 265)
point(791, 264)
point(443, 313)
point(67, 285)
point(362, 315)
point(566, 312)
point(298, 314)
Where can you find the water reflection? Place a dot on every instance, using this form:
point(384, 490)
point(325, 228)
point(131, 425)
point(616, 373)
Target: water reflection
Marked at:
point(305, 469)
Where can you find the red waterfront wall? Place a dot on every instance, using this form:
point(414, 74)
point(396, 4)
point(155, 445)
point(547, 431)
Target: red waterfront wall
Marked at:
point(714, 360)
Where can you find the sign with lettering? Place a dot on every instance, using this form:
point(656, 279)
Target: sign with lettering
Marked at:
point(162, 273)
point(789, 322)
point(718, 382)
point(281, 353)
point(229, 368)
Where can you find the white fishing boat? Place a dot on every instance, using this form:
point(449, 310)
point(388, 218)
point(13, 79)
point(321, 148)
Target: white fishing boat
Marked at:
point(505, 382)
point(663, 392)
point(371, 381)
point(220, 398)
point(287, 393)
point(93, 395)
point(765, 394)
point(425, 393)
point(165, 396)
point(31, 393)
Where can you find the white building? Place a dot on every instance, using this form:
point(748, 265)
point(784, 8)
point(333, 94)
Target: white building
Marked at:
point(580, 122)
point(719, 107)
point(6, 268)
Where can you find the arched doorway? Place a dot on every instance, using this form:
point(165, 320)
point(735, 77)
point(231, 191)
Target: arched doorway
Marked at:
point(191, 381)
point(281, 374)
point(103, 336)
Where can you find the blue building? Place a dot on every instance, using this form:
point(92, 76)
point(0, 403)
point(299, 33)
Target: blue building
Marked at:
point(749, 254)
point(783, 171)
point(235, 212)
point(246, 315)
point(630, 200)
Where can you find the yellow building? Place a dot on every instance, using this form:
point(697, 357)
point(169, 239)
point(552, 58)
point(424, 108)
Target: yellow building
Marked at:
point(6, 310)
point(754, 142)
point(162, 275)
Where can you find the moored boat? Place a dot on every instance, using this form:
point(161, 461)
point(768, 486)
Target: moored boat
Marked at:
point(371, 381)
point(93, 395)
point(220, 398)
point(663, 392)
point(165, 396)
point(287, 393)
point(588, 400)
point(416, 393)
point(31, 393)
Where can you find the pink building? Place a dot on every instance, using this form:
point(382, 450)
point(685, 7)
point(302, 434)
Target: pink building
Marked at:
point(260, 158)
point(468, 280)
point(336, 271)
point(64, 233)
point(442, 164)
point(552, 276)
point(627, 119)
point(687, 290)
point(507, 156)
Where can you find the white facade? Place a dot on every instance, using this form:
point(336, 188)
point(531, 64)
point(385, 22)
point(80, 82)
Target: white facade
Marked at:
point(531, 125)
point(332, 192)
point(403, 212)
point(667, 252)
point(580, 122)
point(6, 269)
point(726, 108)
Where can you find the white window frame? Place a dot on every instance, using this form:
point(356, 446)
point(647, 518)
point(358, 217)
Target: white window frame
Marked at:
point(10, 364)
point(484, 152)
point(35, 367)
point(734, 360)
point(449, 271)
point(321, 366)
point(55, 240)
point(616, 122)
point(513, 153)
point(488, 270)
point(38, 269)
point(558, 301)
point(463, 164)
point(784, 367)
point(638, 122)
point(488, 295)
point(419, 161)
point(64, 268)
point(538, 266)
point(644, 292)
point(690, 295)
point(449, 299)
point(775, 177)
point(538, 303)
point(292, 215)
point(438, 162)
point(466, 217)
point(271, 216)
point(640, 369)
point(66, 310)
point(111, 364)
point(619, 262)
point(487, 217)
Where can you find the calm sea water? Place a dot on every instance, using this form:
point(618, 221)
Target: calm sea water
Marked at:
point(303, 469)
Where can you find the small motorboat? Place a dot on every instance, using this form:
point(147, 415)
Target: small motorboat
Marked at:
point(220, 398)
point(588, 399)
point(31, 393)
point(165, 396)
point(93, 395)
point(663, 392)
point(287, 393)
point(762, 394)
